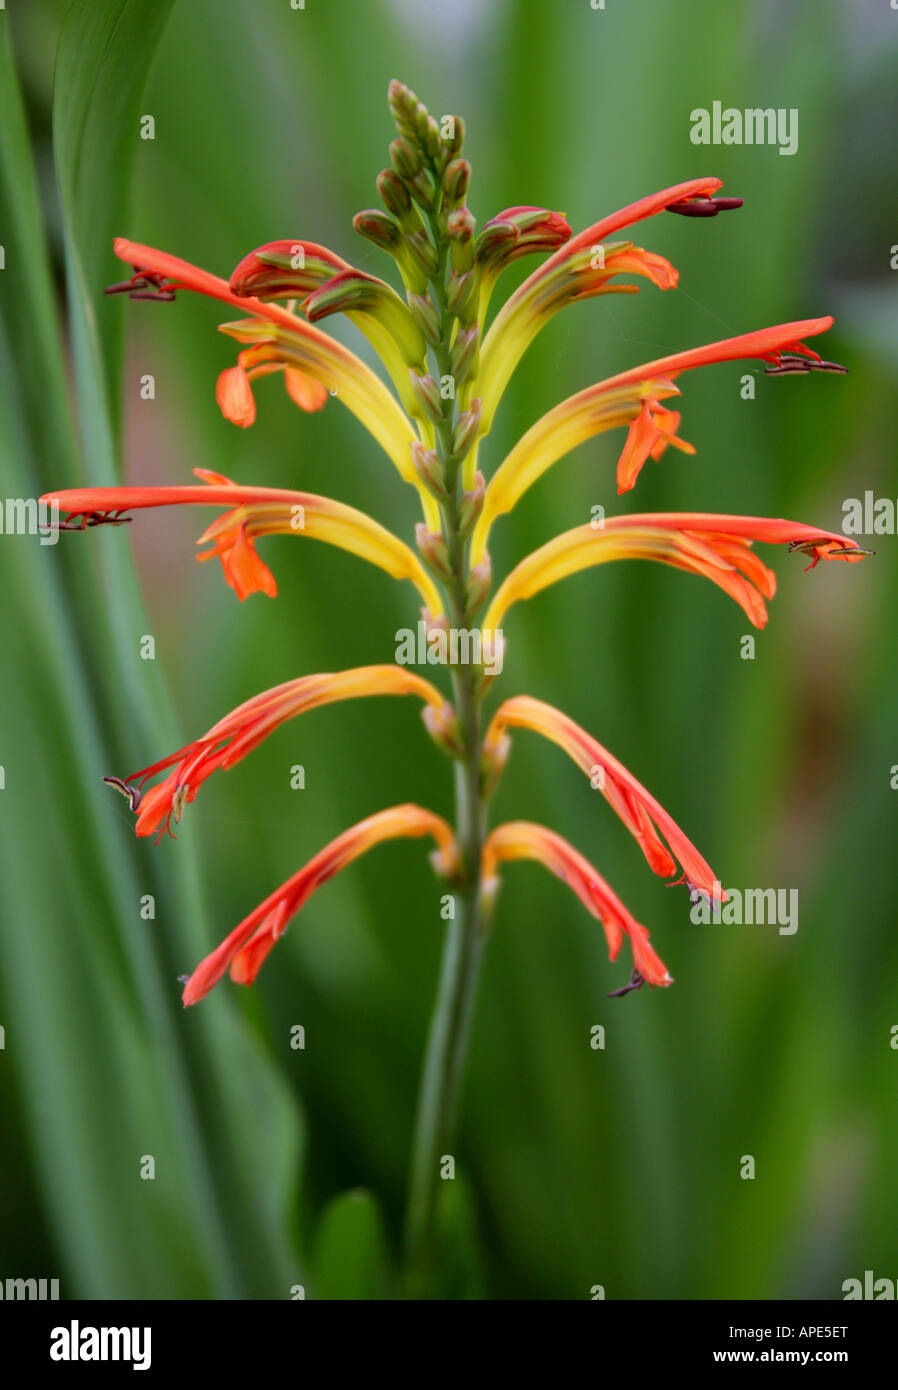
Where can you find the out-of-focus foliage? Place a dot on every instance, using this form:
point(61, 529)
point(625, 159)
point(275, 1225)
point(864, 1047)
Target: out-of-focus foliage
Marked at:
point(577, 1166)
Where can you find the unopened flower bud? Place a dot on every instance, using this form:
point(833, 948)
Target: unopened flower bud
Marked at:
point(460, 230)
point(466, 428)
point(518, 231)
point(429, 469)
point(456, 178)
point(427, 394)
point(434, 551)
point(493, 760)
point(396, 198)
point(425, 314)
point(461, 299)
point(353, 291)
point(470, 507)
point(423, 251)
point(454, 141)
point(442, 724)
point(478, 587)
point(379, 228)
point(423, 189)
point(285, 270)
point(405, 158)
point(432, 140)
point(463, 356)
point(420, 117)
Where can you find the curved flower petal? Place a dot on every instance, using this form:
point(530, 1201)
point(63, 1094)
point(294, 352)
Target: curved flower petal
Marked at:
point(643, 816)
point(245, 727)
point(246, 947)
point(555, 434)
point(576, 275)
point(260, 511)
point(704, 543)
point(633, 398)
point(300, 345)
point(526, 840)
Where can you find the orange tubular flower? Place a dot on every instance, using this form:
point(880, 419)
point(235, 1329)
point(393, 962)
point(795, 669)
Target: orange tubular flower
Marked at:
point(283, 340)
point(253, 512)
point(633, 398)
point(718, 547)
point(524, 840)
point(247, 946)
point(587, 251)
point(239, 732)
point(643, 816)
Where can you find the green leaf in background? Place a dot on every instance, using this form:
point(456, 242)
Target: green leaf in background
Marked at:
point(351, 1258)
point(97, 1047)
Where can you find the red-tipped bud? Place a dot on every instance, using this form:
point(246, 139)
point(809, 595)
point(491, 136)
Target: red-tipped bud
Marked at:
point(424, 312)
point(518, 231)
point(434, 551)
point(427, 394)
point(396, 198)
point(477, 590)
point(429, 469)
point(405, 158)
point(466, 429)
point(285, 270)
point(463, 356)
point(470, 507)
point(460, 230)
point(441, 723)
point(461, 298)
point(456, 178)
point(379, 228)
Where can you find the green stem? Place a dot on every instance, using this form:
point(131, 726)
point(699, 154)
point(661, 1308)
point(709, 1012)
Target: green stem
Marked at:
point(450, 1023)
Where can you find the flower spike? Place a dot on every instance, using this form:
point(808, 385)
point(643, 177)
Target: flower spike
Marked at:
point(643, 816)
point(247, 946)
point(525, 840)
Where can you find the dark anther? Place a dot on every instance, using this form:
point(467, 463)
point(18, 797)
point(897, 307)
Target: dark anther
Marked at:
point(790, 364)
point(144, 285)
point(93, 519)
point(636, 982)
point(131, 793)
point(704, 207)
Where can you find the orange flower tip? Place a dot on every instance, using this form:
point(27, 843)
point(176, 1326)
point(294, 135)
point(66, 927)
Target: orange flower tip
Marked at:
point(704, 207)
point(235, 397)
point(310, 395)
point(144, 284)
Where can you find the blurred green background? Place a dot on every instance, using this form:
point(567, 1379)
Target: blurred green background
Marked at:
point(576, 1167)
